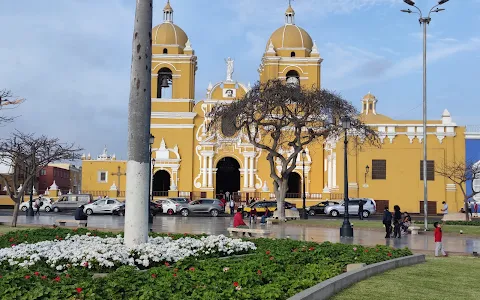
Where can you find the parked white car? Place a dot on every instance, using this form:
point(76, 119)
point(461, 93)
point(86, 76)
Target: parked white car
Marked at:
point(369, 207)
point(102, 206)
point(170, 206)
point(47, 205)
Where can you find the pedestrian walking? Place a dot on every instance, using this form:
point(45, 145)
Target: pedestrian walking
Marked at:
point(475, 208)
point(438, 240)
point(360, 209)
point(38, 204)
point(387, 221)
point(227, 195)
point(232, 207)
point(397, 219)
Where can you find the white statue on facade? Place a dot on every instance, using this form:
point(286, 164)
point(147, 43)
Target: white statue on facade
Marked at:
point(229, 62)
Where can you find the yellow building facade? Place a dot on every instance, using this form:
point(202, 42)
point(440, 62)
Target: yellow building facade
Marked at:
point(190, 161)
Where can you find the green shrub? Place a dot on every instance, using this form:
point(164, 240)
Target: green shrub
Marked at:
point(277, 270)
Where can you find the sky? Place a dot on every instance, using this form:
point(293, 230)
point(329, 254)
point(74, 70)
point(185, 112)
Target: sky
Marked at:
point(71, 59)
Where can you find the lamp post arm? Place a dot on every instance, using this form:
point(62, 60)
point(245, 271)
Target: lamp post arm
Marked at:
point(432, 10)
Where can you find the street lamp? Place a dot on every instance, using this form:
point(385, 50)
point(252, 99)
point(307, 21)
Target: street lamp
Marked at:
point(150, 185)
point(346, 230)
point(424, 21)
point(367, 170)
point(304, 212)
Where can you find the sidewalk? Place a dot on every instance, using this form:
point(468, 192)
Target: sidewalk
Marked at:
point(197, 225)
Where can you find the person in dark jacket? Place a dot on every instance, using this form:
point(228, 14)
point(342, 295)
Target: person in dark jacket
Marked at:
point(360, 209)
point(387, 221)
point(397, 221)
point(79, 214)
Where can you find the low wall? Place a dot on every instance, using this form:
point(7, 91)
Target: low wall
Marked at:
point(330, 287)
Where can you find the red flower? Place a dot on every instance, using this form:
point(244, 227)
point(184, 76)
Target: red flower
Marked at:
point(235, 284)
point(26, 235)
point(57, 279)
point(79, 290)
point(13, 245)
point(185, 234)
point(192, 269)
point(175, 270)
point(36, 273)
point(267, 252)
point(68, 275)
point(154, 275)
point(60, 239)
point(366, 250)
point(271, 258)
point(389, 254)
point(376, 250)
point(311, 248)
point(44, 277)
point(1, 276)
point(11, 239)
point(167, 264)
point(56, 237)
point(259, 272)
point(27, 276)
point(174, 275)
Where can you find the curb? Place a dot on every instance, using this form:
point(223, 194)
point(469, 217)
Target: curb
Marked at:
point(330, 287)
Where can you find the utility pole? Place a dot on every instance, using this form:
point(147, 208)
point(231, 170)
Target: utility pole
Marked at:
point(139, 112)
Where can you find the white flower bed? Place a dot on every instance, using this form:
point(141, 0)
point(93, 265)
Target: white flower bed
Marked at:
point(93, 251)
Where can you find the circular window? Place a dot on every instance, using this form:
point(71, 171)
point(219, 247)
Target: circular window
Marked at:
point(228, 126)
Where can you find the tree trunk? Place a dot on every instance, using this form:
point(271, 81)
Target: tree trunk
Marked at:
point(280, 193)
point(467, 218)
point(15, 214)
point(139, 112)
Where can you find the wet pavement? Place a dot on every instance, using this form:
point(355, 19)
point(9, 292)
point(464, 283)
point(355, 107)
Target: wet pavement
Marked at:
point(210, 225)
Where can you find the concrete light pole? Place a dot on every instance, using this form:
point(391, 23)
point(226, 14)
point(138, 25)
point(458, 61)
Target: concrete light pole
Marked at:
point(424, 21)
point(139, 112)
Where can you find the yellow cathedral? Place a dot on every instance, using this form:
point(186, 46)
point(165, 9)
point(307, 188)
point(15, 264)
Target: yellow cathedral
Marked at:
point(189, 161)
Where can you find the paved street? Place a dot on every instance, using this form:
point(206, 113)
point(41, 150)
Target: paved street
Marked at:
point(209, 225)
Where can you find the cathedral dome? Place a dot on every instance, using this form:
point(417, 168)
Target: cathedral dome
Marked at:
point(290, 35)
point(168, 33)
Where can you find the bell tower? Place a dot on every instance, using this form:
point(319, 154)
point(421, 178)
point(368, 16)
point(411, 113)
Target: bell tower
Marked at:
point(291, 55)
point(174, 63)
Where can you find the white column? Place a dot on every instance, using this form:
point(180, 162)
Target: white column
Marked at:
point(250, 176)
point(210, 171)
point(334, 169)
point(329, 170)
point(245, 172)
point(204, 178)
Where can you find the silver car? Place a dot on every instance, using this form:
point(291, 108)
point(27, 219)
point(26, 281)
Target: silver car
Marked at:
point(203, 206)
point(102, 206)
point(71, 201)
point(369, 207)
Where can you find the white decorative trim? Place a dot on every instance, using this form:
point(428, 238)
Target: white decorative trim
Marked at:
point(353, 186)
point(173, 75)
point(172, 126)
point(173, 115)
point(451, 187)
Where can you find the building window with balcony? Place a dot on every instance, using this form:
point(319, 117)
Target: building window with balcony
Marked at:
point(430, 170)
point(379, 169)
point(43, 172)
point(102, 176)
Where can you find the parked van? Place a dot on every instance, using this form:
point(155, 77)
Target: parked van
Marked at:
point(71, 201)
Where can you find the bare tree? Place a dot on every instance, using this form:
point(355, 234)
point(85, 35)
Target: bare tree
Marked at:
point(8, 101)
point(27, 154)
point(282, 119)
point(460, 173)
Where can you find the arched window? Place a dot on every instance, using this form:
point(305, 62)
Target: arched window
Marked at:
point(165, 51)
point(293, 77)
point(292, 54)
point(164, 83)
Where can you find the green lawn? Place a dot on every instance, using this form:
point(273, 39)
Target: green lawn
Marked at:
point(4, 229)
point(438, 278)
point(377, 225)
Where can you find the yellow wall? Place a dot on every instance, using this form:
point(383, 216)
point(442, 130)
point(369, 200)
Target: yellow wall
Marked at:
point(90, 169)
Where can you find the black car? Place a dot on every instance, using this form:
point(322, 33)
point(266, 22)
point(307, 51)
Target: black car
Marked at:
point(319, 208)
point(154, 209)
